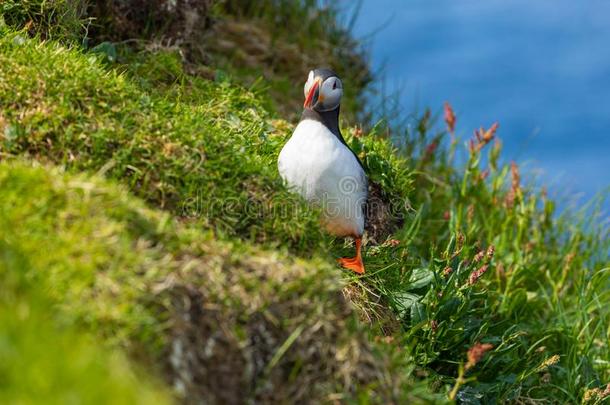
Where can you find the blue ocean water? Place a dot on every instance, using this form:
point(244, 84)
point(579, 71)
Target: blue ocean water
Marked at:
point(540, 68)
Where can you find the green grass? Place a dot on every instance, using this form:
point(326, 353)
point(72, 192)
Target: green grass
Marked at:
point(58, 19)
point(47, 266)
point(129, 274)
point(252, 45)
point(544, 292)
point(206, 152)
point(44, 363)
point(84, 262)
point(189, 227)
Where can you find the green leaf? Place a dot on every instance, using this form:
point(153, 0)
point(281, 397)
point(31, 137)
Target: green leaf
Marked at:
point(448, 308)
point(107, 50)
point(418, 313)
point(404, 301)
point(420, 278)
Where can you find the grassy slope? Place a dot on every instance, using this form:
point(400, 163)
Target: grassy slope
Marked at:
point(132, 275)
point(182, 151)
point(44, 360)
point(182, 143)
point(46, 285)
point(82, 254)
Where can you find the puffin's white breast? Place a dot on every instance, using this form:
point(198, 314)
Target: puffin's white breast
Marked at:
point(324, 171)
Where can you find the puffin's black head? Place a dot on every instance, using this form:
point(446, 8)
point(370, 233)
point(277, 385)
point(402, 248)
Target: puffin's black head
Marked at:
point(323, 90)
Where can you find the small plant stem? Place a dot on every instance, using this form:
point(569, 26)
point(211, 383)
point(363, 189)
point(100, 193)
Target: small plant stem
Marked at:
point(459, 381)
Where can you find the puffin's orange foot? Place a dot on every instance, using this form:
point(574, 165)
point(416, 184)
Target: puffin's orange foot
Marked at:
point(354, 264)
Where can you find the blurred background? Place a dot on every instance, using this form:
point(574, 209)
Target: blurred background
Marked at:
point(539, 68)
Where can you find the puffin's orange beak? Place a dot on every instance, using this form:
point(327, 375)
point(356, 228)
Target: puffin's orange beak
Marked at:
point(312, 91)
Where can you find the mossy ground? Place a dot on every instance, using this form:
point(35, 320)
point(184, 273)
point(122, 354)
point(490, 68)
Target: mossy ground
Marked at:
point(218, 321)
point(141, 208)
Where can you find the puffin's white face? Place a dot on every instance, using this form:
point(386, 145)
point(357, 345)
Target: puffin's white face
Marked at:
point(308, 83)
point(322, 95)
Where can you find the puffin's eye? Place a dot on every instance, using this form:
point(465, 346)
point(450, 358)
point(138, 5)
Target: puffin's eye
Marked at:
point(334, 85)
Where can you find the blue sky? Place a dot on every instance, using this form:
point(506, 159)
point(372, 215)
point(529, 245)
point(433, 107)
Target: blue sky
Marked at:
point(541, 68)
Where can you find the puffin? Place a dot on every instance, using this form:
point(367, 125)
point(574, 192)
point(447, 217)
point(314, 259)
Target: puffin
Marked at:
point(317, 163)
